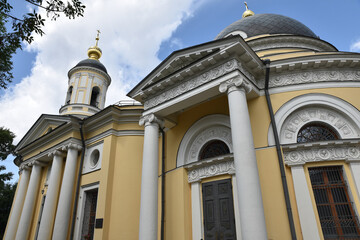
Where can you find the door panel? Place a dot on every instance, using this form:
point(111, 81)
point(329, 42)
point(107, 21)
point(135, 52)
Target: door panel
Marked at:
point(219, 220)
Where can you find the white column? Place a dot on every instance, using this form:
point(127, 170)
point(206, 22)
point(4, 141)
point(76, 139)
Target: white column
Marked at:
point(197, 226)
point(306, 211)
point(48, 215)
point(63, 213)
point(29, 204)
point(355, 169)
point(149, 179)
point(236, 208)
point(18, 205)
point(251, 208)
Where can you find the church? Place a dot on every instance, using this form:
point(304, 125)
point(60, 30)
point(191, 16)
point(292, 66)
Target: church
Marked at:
point(253, 135)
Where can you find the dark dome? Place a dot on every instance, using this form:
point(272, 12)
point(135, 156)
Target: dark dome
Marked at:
point(91, 63)
point(259, 24)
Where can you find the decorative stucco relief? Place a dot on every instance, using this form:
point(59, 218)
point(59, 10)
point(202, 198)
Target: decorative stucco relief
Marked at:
point(195, 82)
point(293, 124)
point(321, 153)
point(195, 175)
point(314, 77)
point(215, 132)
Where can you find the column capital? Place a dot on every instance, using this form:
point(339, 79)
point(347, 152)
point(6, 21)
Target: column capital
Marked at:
point(57, 153)
point(151, 118)
point(235, 83)
point(71, 146)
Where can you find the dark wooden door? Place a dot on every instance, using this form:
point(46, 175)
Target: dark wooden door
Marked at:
point(219, 220)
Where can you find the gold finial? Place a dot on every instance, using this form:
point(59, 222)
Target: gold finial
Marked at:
point(94, 52)
point(248, 12)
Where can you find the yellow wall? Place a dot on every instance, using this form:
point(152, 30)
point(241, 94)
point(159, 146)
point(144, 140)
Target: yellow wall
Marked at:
point(185, 121)
point(277, 222)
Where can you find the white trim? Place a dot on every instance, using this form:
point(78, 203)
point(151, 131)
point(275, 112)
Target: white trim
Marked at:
point(216, 123)
point(305, 86)
point(322, 102)
point(306, 211)
point(80, 208)
point(88, 166)
point(197, 226)
point(223, 165)
point(300, 154)
point(117, 133)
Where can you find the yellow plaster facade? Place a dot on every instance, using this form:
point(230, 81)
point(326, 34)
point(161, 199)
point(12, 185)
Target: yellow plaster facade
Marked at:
point(208, 107)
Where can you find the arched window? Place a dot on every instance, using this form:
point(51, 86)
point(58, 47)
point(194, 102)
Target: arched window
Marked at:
point(314, 132)
point(94, 97)
point(68, 95)
point(213, 148)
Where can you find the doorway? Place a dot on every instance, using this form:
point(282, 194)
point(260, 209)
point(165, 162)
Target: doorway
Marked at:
point(218, 210)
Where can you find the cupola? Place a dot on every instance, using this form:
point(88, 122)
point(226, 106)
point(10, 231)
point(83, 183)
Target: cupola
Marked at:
point(87, 85)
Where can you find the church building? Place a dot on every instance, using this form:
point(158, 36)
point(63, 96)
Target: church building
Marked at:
point(254, 135)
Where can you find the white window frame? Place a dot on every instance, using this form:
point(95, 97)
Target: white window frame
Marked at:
point(80, 208)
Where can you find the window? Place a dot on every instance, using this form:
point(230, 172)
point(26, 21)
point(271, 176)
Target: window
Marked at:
point(88, 220)
point(94, 97)
point(68, 95)
point(213, 148)
point(337, 217)
point(314, 132)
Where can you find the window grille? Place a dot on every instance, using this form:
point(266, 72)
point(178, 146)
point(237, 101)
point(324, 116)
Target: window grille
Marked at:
point(89, 214)
point(213, 148)
point(337, 217)
point(316, 132)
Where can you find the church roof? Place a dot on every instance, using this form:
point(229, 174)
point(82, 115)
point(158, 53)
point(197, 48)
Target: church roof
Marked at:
point(260, 24)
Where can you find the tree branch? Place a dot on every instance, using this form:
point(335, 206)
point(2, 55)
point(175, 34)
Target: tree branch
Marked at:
point(15, 18)
point(40, 6)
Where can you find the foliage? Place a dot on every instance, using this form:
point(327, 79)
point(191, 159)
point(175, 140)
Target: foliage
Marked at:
point(23, 28)
point(6, 143)
point(7, 190)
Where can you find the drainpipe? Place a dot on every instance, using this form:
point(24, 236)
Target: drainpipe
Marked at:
point(162, 184)
point(278, 150)
point(81, 122)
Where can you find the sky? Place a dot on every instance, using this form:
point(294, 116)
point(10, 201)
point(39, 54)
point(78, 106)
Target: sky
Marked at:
point(136, 35)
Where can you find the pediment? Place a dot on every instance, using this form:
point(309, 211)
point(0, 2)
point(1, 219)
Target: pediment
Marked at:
point(44, 125)
point(191, 61)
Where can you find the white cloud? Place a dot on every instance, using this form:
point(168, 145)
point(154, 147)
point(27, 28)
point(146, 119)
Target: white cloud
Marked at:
point(355, 47)
point(131, 34)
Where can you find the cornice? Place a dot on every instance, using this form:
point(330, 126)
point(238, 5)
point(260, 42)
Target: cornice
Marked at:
point(83, 68)
point(195, 82)
point(314, 76)
point(315, 62)
point(286, 41)
point(112, 114)
point(118, 133)
point(47, 139)
point(210, 168)
point(46, 155)
point(300, 154)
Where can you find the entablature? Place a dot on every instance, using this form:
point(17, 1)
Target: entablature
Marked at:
point(335, 150)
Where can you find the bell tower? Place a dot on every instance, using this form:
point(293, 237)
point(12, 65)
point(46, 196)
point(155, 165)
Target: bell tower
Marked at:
point(87, 85)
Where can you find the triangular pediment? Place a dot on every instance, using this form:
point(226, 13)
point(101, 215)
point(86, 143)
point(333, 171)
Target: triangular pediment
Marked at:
point(44, 125)
point(191, 61)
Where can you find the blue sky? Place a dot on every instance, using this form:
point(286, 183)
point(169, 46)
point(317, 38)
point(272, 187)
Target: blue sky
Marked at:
point(136, 36)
